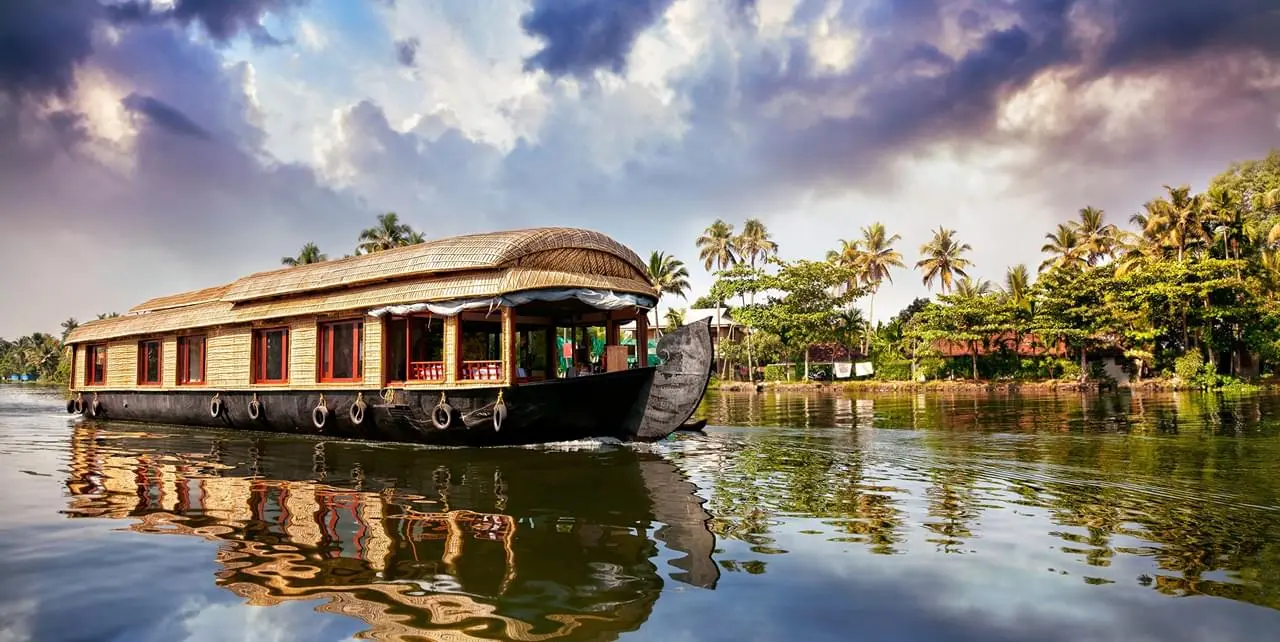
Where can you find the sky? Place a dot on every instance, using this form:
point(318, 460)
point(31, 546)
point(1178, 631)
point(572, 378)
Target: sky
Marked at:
point(153, 147)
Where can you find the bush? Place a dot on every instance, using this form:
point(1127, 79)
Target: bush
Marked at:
point(778, 372)
point(1189, 366)
point(1068, 369)
point(893, 370)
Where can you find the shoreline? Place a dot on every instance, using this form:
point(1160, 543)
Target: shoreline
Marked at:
point(969, 386)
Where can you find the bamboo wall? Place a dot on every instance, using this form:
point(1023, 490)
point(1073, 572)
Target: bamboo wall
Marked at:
point(122, 364)
point(228, 355)
point(302, 352)
point(373, 351)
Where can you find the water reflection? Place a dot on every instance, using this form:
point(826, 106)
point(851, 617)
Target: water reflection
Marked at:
point(1180, 494)
point(487, 544)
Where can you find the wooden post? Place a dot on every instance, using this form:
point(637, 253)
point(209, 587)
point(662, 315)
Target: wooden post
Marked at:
point(509, 345)
point(452, 354)
point(642, 338)
point(550, 347)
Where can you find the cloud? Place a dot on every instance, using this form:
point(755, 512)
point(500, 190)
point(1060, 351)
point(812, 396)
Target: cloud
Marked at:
point(644, 119)
point(580, 37)
point(221, 19)
point(407, 51)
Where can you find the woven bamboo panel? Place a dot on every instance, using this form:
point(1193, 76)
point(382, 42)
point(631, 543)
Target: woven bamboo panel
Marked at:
point(471, 252)
point(228, 355)
point(467, 285)
point(583, 262)
point(373, 351)
point(205, 295)
point(122, 364)
point(451, 350)
point(302, 353)
point(169, 362)
point(508, 345)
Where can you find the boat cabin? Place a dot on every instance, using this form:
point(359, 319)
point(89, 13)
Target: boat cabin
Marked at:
point(482, 310)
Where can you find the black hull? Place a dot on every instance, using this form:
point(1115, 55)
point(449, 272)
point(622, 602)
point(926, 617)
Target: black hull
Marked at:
point(643, 404)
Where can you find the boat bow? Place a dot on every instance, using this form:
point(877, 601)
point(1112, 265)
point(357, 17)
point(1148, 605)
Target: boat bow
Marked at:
point(678, 384)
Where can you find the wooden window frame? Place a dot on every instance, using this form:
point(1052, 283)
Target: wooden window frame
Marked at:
point(90, 355)
point(258, 362)
point(180, 378)
point(142, 362)
point(324, 351)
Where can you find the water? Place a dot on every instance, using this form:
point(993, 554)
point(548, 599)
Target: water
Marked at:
point(797, 516)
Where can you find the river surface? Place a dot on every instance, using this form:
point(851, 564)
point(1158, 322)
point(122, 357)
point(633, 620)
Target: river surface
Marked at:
point(796, 516)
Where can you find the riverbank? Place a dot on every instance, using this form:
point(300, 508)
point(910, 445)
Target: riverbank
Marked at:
point(970, 386)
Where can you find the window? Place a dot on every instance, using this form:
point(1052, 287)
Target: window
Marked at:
point(342, 351)
point(415, 349)
point(148, 363)
point(271, 355)
point(95, 365)
point(190, 360)
point(480, 346)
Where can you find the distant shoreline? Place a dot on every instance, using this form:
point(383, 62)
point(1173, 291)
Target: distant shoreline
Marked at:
point(968, 386)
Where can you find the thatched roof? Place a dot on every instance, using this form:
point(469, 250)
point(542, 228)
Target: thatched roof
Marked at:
point(478, 265)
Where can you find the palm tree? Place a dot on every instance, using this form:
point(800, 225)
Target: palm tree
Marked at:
point(1097, 239)
point(675, 319)
point(309, 254)
point(969, 288)
point(1227, 219)
point(848, 256)
point(414, 237)
point(388, 233)
point(1175, 220)
point(1017, 285)
point(878, 256)
point(669, 275)
point(943, 259)
point(1064, 249)
point(108, 315)
point(754, 243)
point(717, 246)
point(67, 327)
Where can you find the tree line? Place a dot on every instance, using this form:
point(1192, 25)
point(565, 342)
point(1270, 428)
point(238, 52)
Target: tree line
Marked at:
point(1191, 286)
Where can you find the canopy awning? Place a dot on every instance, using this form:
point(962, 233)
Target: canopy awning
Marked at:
point(599, 299)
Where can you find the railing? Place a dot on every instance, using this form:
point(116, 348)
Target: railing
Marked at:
point(480, 371)
point(426, 371)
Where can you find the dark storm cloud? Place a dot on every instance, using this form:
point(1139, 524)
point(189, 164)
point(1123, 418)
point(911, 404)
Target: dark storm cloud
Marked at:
point(584, 35)
point(407, 52)
point(41, 42)
point(221, 19)
point(908, 92)
point(163, 115)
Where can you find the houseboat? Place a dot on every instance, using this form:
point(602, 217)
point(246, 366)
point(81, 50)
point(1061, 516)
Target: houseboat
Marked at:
point(453, 341)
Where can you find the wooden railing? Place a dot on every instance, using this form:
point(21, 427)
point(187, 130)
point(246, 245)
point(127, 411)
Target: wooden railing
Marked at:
point(426, 371)
point(480, 371)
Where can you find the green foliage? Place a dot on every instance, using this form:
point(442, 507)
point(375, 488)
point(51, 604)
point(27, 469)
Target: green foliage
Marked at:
point(39, 356)
point(780, 372)
point(803, 302)
point(1189, 366)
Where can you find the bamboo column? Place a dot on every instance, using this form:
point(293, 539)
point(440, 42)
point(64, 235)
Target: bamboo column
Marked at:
point(509, 345)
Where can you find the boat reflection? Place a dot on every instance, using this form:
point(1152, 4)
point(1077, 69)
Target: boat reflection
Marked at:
point(438, 544)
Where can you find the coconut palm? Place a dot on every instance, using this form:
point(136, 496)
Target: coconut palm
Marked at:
point(388, 233)
point(943, 259)
point(675, 319)
point(1175, 220)
point(108, 315)
point(1226, 219)
point(717, 246)
point(1097, 238)
point(878, 256)
point(669, 275)
point(310, 253)
point(68, 326)
point(755, 243)
point(1064, 249)
point(414, 237)
point(1017, 286)
point(970, 288)
point(848, 256)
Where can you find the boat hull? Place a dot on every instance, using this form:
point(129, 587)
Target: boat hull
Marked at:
point(642, 404)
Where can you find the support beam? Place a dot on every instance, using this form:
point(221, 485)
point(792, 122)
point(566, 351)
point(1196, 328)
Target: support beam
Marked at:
point(642, 339)
point(452, 350)
point(509, 345)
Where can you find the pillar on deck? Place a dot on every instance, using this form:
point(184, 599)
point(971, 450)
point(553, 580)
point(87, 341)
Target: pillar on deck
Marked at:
point(451, 353)
point(550, 347)
point(642, 339)
point(509, 345)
